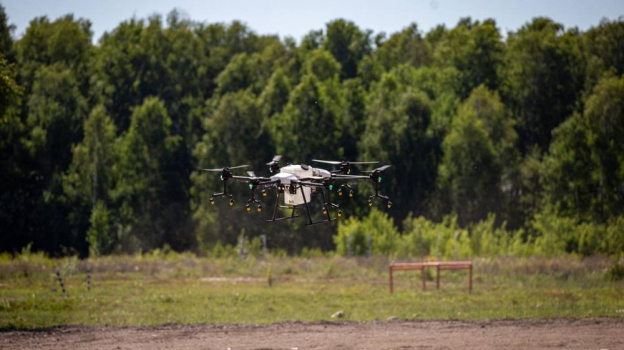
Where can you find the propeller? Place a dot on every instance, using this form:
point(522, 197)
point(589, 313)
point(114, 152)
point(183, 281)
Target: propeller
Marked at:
point(327, 161)
point(274, 167)
point(218, 170)
point(345, 165)
point(275, 159)
point(374, 174)
point(335, 162)
point(382, 168)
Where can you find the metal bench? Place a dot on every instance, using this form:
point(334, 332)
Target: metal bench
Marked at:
point(439, 265)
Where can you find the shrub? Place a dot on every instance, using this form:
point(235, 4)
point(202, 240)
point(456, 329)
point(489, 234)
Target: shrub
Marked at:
point(616, 271)
point(554, 234)
point(384, 235)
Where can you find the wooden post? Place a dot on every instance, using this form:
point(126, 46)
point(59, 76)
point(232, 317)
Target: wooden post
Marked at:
point(390, 271)
point(470, 280)
point(438, 276)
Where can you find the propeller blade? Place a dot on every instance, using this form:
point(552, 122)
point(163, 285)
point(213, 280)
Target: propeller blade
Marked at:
point(374, 162)
point(275, 159)
point(221, 169)
point(327, 161)
point(214, 170)
point(238, 166)
point(378, 169)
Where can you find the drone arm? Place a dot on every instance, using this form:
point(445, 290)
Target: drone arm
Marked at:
point(349, 177)
point(311, 184)
point(248, 178)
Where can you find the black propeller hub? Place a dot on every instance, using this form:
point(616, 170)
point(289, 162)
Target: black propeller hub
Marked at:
point(274, 167)
point(226, 174)
point(345, 168)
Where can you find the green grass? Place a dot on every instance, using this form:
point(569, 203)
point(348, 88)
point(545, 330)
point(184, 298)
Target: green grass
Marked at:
point(145, 290)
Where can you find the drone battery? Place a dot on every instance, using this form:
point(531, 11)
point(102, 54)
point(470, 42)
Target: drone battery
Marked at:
point(291, 174)
point(297, 197)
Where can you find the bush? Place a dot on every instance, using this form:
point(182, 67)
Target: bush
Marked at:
point(616, 272)
point(614, 240)
point(378, 225)
point(554, 234)
point(488, 240)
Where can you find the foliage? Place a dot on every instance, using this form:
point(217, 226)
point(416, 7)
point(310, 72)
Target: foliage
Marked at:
point(543, 78)
point(475, 49)
point(396, 131)
point(470, 171)
point(377, 228)
point(584, 168)
point(616, 271)
point(505, 144)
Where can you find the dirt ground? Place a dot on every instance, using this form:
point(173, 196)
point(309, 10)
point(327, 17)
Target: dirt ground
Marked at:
point(563, 334)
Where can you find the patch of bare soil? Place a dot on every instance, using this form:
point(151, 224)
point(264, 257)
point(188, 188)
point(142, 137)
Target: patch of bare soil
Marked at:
point(507, 334)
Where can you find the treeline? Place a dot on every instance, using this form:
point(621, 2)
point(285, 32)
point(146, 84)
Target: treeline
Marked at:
point(100, 144)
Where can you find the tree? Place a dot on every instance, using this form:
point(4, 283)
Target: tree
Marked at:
point(354, 117)
point(567, 176)
point(88, 182)
point(470, 171)
point(89, 176)
point(6, 41)
point(275, 95)
point(12, 170)
point(348, 44)
point(309, 126)
point(542, 79)
point(234, 136)
point(397, 133)
point(583, 171)
point(475, 49)
point(322, 65)
point(56, 113)
point(143, 177)
point(603, 51)
point(239, 74)
point(604, 113)
point(10, 99)
point(65, 41)
point(405, 47)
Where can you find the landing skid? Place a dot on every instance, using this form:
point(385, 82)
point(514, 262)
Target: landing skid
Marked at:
point(305, 206)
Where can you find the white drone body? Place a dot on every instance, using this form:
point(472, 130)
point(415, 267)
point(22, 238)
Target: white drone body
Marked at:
point(294, 174)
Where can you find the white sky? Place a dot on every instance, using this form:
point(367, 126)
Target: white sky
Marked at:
point(295, 18)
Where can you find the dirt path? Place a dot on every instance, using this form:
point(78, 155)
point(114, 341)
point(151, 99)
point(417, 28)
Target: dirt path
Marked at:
point(562, 334)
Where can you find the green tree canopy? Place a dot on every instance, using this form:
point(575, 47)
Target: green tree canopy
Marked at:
point(543, 77)
point(348, 44)
point(397, 133)
point(470, 170)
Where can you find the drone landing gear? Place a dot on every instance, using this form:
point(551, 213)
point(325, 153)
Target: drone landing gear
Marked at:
point(377, 195)
point(252, 186)
point(305, 206)
point(224, 193)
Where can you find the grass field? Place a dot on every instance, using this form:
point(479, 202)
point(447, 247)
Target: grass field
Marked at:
point(163, 288)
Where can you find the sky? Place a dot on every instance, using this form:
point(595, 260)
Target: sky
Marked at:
point(296, 18)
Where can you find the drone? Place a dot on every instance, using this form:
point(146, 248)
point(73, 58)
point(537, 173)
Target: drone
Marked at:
point(295, 184)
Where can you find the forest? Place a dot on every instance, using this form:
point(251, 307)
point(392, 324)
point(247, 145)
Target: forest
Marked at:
point(515, 136)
